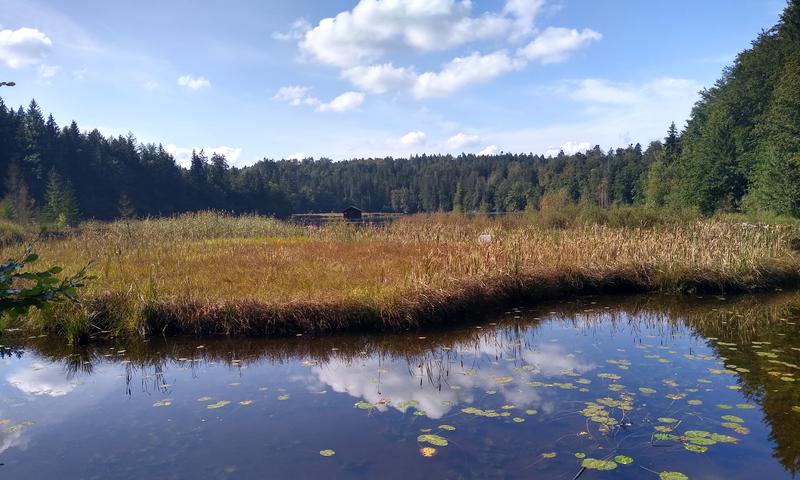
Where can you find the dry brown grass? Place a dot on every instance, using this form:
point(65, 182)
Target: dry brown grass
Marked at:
point(215, 274)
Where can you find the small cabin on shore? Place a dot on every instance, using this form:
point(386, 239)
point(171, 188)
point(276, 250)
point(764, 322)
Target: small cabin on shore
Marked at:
point(352, 214)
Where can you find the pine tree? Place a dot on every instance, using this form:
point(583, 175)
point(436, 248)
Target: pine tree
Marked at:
point(777, 184)
point(70, 212)
point(53, 196)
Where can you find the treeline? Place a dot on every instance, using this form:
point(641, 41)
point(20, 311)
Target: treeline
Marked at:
point(740, 150)
point(63, 174)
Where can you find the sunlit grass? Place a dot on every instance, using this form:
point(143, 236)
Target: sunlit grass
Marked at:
point(213, 273)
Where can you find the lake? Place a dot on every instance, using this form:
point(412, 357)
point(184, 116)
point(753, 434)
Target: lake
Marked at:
point(624, 388)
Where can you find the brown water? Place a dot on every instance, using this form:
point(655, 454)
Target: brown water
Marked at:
point(707, 388)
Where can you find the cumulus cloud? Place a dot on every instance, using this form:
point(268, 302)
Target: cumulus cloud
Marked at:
point(555, 44)
point(490, 150)
point(299, 95)
point(297, 31)
point(23, 47)
point(183, 156)
point(343, 103)
point(356, 40)
point(193, 83)
point(462, 140)
point(293, 95)
point(380, 78)
point(569, 148)
point(413, 138)
point(464, 71)
point(298, 156)
point(373, 27)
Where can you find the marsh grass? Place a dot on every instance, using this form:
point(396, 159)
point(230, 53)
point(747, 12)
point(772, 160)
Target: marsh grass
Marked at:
point(210, 273)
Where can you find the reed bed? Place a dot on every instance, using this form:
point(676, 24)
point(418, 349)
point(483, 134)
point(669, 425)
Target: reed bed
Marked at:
point(211, 273)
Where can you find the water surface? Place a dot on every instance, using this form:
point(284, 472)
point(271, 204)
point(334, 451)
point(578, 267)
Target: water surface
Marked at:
point(600, 388)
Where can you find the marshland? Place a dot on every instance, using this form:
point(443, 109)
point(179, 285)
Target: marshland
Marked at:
point(216, 274)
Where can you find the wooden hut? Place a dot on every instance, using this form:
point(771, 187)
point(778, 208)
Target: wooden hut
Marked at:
point(352, 214)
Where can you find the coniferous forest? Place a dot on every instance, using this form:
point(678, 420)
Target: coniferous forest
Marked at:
point(739, 150)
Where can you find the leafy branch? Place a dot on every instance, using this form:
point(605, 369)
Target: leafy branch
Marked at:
point(20, 290)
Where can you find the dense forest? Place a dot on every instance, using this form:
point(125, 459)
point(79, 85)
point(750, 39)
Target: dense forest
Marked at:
point(740, 150)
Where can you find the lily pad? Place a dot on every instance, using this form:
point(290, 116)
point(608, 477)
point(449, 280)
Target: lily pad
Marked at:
point(219, 404)
point(623, 460)
point(672, 476)
point(437, 440)
point(595, 464)
point(327, 453)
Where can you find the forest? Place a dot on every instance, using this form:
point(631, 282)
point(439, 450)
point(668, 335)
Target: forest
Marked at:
point(738, 151)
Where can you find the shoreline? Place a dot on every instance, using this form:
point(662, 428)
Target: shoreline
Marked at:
point(432, 309)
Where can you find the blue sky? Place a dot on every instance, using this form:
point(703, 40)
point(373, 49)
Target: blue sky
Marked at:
point(344, 79)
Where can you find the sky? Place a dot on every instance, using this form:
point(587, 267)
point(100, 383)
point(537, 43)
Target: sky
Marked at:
point(256, 79)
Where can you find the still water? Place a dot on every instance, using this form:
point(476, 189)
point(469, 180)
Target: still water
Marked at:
point(639, 388)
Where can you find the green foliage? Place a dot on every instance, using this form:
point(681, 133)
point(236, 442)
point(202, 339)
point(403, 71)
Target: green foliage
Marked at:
point(21, 289)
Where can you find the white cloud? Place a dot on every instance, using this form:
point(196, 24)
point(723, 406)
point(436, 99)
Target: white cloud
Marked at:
point(373, 27)
point(524, 11)
point(380, 78)
point(464, 71)
point(298, 95)
point(413, 138)
point(490, 150)
point(193, 83)
point(150, 85)
point(569, 148)
point(183, 156)
point(23, 47)
point(342, 103)
point(47, 72)
point(297, 31)
point(298, 156)
point(293, 95)
point(354, 40)
point(555, 44)
point(462, 140)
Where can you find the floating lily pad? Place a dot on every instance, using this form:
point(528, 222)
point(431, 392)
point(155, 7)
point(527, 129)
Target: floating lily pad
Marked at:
point(733, 418)
point(518, 419)
point(595, 464)
point(449, 428)
point(327, 453)
point(623, 460)
point(695, 448)
point(580, 455)
point(672, 476)
point(503, 380)
point(549, 455)
point(283, 397)
point(647, 390)
point(163, 403)
point(219, 404)
point(437, 440)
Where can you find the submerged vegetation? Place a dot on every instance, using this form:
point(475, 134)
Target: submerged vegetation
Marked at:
point(211, 273)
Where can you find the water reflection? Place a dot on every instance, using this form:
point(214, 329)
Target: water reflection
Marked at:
point(529, 374)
